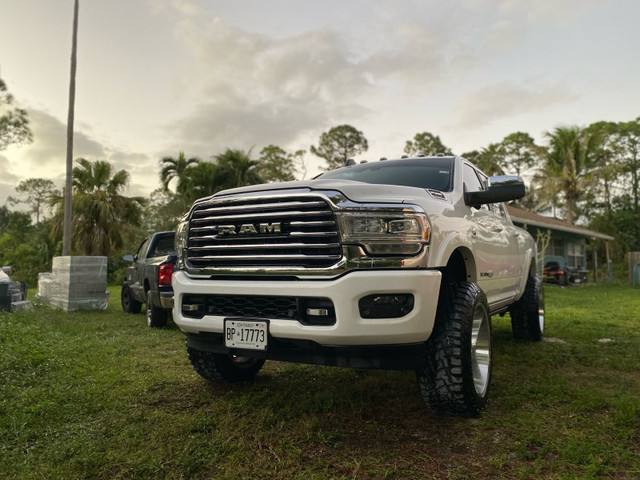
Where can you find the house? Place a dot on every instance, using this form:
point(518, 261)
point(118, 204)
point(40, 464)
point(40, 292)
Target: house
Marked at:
point(567, 243)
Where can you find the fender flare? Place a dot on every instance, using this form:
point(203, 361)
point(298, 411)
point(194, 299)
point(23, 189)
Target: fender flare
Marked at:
point(529, 270)
point(450, 243)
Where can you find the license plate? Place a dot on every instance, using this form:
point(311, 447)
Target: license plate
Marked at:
point(247, 334)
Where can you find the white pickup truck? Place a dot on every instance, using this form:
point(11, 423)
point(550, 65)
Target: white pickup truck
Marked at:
point(396, 264)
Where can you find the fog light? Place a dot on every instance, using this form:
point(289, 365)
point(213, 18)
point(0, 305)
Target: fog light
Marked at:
point(391, 305)
point(192, 306)
point(317, 311)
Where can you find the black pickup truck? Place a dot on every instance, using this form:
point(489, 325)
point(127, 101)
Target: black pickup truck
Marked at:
point(148, 278)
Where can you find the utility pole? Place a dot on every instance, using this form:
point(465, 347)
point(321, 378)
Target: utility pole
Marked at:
point(66, 238)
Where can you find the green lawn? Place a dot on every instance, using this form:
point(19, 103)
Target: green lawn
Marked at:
point(101, 395)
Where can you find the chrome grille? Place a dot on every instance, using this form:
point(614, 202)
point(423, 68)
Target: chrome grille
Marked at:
point(287, 231)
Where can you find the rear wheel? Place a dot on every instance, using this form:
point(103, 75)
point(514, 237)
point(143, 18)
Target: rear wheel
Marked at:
point(217, 367)
point(156, 316)
point(457, 375)
point(528, 313)
point(129, 304)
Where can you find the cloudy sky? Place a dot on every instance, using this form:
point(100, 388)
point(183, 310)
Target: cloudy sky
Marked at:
point(156, 77)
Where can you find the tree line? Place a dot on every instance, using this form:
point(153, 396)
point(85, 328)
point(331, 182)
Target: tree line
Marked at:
point(587, 174)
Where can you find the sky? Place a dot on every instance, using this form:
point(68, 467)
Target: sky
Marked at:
point(159, 77)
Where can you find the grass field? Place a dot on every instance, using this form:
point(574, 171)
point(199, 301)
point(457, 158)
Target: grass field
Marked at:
point(101, 395)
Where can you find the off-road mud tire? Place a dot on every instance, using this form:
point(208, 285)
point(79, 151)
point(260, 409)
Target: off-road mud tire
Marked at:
point(156, 316)
point(528, 313)
point(457, 375)
point(217, 367)
point(128, 302)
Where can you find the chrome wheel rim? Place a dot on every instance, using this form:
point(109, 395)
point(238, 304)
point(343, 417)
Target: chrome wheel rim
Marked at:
point(480, 349)
point(541, 309)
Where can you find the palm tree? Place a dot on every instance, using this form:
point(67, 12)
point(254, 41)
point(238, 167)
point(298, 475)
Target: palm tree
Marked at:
point(543, 193)
point(200, 180)
point(104, 219)
point(236, 169)
point(570, 161)
point(176, 168)
point(489, 159)
point(233, 168)
point(606, 169)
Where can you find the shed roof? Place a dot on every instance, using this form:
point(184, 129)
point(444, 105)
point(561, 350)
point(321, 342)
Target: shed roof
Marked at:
point(529, 218)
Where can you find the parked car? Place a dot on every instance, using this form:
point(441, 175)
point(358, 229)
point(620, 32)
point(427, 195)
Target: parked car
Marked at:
point(148, 278)
point(553, 273)
point(563, 276)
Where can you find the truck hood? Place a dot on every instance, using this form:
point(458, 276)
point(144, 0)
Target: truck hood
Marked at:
point(355, 191)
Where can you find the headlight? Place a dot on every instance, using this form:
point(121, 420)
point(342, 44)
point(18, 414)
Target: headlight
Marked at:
point(182, 234)
point(385, 232)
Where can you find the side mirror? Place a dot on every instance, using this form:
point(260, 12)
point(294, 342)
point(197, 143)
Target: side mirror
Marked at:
point(502, 188)
point(128, 257)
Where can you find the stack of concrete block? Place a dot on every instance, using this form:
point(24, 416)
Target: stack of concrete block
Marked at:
point(75, 283)
point(13, 296)
point(45, 287)
point(19, 297)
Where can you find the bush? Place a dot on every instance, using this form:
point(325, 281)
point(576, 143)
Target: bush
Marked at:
point(26, 262)
point(116, 268)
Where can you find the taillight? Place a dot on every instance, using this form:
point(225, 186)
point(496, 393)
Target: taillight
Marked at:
point(164, 274)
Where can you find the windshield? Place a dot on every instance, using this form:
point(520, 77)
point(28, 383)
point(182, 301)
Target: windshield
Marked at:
point(432, 173)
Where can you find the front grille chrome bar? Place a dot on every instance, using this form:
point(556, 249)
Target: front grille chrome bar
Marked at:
point(265, 258)
point(258, 216)
point(290, 230)
point(261, 207)
point(265, 246)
